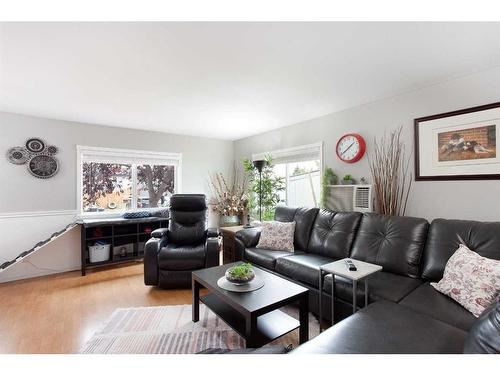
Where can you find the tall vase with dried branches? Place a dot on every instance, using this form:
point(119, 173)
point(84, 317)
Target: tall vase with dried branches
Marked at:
point(229, 200)
point(390, 169)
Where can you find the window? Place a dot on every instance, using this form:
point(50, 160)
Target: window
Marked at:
point(301, 168)
point(111, 181)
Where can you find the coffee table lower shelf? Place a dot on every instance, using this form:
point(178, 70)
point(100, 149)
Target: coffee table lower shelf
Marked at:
point(270, 326)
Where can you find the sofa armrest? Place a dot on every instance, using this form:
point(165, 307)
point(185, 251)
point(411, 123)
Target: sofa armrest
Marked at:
point(151, 248)
point(244, 238)
point(212, 250)
point(213, 232)
point(159, 233)
point(249, 236)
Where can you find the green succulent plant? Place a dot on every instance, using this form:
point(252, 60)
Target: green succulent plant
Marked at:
point(241, 270)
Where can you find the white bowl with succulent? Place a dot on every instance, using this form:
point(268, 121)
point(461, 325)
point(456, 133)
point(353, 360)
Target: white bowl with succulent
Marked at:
point(240, 274)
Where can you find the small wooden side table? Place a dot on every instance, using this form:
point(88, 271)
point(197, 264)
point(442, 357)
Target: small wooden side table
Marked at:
point(228, 234)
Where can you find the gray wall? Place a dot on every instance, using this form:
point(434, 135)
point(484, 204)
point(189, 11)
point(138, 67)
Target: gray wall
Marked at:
point(19, 191)
point(32, 209)
point(478, 200)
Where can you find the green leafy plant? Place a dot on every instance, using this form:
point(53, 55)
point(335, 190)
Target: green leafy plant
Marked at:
point(272, 185)
point(347, 177)
point(329, 178)
point(241, 271)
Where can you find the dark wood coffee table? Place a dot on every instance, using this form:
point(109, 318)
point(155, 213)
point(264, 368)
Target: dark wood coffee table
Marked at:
point(253, 315)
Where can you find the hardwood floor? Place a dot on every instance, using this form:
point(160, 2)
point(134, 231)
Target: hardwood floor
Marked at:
point(58, 314)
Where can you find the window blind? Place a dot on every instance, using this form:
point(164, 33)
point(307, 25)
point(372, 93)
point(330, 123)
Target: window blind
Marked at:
point(293, 154)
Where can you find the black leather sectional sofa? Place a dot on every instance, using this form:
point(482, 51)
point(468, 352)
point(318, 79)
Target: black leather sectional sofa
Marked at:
point(406, 314)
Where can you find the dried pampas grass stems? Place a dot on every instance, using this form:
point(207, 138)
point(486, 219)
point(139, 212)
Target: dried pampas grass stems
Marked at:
point(390, 169)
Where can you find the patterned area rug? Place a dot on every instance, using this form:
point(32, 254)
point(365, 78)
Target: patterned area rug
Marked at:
point(170, 330)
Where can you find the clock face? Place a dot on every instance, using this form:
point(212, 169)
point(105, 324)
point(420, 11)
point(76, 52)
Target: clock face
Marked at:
point(43, 166)
point(351, 148)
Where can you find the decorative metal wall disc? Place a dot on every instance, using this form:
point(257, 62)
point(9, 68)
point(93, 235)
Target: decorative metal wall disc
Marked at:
point(35, 145)
point(40, 158)
point(52, 150)
point(17, 155)
point(43, 166)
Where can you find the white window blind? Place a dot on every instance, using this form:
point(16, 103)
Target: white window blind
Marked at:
point(294, 154)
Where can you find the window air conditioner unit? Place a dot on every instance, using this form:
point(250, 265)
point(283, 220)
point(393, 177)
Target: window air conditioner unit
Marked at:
point(350, 198)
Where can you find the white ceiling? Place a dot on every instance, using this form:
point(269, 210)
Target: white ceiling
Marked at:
point(226, 80)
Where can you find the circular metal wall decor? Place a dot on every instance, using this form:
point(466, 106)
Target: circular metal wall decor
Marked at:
point(18, 155)
point(35, 145)
point(43, 166)
point(52, 150)
point(40, 158)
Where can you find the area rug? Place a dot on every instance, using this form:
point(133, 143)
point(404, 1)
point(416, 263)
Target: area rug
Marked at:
point(170, 330)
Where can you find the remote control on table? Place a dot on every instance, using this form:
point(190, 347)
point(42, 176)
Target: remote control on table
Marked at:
point(350, 265)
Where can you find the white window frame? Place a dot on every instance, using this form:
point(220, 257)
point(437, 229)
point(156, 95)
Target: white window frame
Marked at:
point(123, 156)
point(293, 152)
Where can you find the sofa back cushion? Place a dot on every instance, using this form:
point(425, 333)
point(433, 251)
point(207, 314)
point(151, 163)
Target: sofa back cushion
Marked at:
point(304, 219)
point(333, 233)
point(444, 239)
point(394, 242)
point(187, 224)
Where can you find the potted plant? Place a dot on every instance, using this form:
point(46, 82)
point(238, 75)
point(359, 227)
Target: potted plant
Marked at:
point(347, 180)
point(271, 185)
point(329, 178)
point(240, 274)
point(228, 200)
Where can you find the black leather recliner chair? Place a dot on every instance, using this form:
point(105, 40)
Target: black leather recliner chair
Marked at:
point(187, 245)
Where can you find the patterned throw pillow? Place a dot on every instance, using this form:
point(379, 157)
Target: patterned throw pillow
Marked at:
point(470, 279)
point(277, 235)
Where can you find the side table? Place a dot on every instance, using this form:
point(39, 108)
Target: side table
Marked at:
point(339, 268)
point(228, 234)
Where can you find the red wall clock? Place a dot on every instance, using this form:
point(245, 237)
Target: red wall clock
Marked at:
point(351, 148)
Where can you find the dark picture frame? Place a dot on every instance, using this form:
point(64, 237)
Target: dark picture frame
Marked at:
point(491, 151)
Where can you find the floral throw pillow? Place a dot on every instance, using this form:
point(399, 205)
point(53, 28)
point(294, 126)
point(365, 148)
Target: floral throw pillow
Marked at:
point(277, 235)
point(470, 279)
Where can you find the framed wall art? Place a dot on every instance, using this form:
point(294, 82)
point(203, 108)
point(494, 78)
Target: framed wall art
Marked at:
point(458, 145)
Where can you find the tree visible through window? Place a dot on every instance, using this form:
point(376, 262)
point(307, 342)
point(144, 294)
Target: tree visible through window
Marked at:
point(128, 182)
point(106, 187)
point(155, 185)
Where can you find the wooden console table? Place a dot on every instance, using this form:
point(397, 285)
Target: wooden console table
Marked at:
point(228, 234)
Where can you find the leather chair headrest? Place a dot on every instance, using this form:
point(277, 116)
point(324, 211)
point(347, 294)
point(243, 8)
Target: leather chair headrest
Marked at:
point(188, 202)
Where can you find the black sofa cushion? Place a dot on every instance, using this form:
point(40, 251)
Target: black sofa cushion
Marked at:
point(304, 219)
point(264, 257)
point(443, 241)
point(333, 233)
point(284, 213)
point(394, 242)
point(181, 257)
point(381, 285)
point(386, 328)
point(429, 301)
point(484, 336)
point(302, 267)
point(187, 224)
